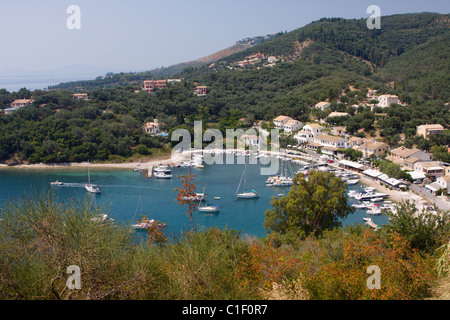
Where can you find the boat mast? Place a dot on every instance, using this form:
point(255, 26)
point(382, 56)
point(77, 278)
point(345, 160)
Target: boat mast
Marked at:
point(242, 176)
point(89, 174)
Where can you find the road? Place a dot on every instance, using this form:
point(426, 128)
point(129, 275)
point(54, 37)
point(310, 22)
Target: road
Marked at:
point(440, 203)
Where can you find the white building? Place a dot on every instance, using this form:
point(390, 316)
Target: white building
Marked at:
point(386, 100)
point(279, 121)
point(322, 105)
point(308, 133)
point(253, 141)
point(329, 144)
point(291, 126)
point(444, 182)
point(331, 141)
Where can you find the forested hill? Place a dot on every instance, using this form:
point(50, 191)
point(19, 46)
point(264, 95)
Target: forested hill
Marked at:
point(338, 41)
point(330, 59)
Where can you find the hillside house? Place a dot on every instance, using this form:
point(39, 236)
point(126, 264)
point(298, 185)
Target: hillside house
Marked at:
point(150, 85)
point(80, 96)
point(402, 154)
point(430, 169)
point(19, 103)
point(426, 129)
point(371, 147)
point(279, 121)
point(308, 133)
point(200, 91)
point(291, 126)
point(386, 100)
point(444, 182)
point(152, 128)
point(322, 105)
point(253, 141)
point(329, 144)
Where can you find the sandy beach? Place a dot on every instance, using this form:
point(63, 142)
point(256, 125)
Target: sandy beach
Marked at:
point(124, 165)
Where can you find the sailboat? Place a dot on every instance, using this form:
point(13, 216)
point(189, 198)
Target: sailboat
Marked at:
point(247, 194)
point(145, 223)
point(90, 187)
point(207, 207)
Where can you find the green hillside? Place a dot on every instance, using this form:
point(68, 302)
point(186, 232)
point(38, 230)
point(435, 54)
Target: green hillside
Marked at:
point(330, 59)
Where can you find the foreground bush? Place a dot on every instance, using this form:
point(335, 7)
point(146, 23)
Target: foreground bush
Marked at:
point(40, 238)
point(404, 273)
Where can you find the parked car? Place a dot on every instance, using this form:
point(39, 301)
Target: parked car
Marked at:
point(330, 161)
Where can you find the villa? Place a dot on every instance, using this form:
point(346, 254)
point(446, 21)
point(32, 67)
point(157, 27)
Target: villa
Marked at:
point(200, 91)
point(386, 100)
point(19, 103)
point(308, 133)
point(80, 96)
point(402, 155)
point(430, 168)
point(150, 85)
point(322, 105)
point(287, 124)
point(426, 129)
point(279, 121)
point(370, 147)
point(252, 141)
point(152, 128)
point(329, 144)
point(444, 182)
point(292, 125)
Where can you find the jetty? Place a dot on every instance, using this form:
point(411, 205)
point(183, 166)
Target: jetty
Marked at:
point(150, 172)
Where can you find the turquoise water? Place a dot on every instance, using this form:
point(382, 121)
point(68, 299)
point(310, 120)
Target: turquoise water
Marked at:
point(123, 189)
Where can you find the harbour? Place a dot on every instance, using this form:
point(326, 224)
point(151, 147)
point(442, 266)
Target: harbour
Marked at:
point(122, 188)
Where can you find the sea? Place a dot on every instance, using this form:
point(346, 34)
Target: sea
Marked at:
point(34, 82)
point(126, 195)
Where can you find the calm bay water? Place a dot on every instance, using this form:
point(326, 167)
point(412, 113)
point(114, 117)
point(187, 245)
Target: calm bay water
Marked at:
point(123, 189)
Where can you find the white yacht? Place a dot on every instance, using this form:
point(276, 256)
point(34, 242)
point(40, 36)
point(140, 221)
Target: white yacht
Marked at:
point(374, 211)
point(211, 208)
point(91, 187)
point(370, 195)
point(250, 194)
point(163, 175)
point(247, 194)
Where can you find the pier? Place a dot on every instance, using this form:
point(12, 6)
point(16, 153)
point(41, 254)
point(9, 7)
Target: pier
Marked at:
point(150, 172)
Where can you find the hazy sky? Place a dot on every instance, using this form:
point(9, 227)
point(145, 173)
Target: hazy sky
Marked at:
point(137, 35)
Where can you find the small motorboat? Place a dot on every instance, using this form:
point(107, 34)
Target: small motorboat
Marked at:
point(163, 175)
point(374, 211)
point(92, 188)
point(352, 181)
point(56, 183)
point(210, 208)
point(359, 206)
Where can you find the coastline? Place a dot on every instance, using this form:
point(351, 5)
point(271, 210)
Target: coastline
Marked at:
point(394, 195)
point(123, 165)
